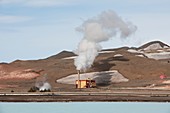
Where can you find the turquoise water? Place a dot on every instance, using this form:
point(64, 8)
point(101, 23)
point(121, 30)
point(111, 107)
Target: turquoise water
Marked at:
point(85, 107)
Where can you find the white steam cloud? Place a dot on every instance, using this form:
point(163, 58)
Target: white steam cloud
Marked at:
point(98, 29)
point(42, 84)
point(45, 87)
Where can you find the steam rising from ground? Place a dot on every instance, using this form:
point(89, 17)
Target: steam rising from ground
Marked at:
point(98, 29)
point(42, 84)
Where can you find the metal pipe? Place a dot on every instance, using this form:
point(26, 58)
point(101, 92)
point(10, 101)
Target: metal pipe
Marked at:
point(79, 86)
point(78, 71)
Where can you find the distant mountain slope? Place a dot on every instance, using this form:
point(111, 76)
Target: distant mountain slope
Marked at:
point(62, 54)
point(154, 50)
point(154, 45)
point(140, 71)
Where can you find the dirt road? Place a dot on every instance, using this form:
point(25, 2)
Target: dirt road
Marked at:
point(114, 95)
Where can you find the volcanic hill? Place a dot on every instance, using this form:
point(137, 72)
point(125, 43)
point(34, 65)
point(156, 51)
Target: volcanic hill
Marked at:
point(142, 67)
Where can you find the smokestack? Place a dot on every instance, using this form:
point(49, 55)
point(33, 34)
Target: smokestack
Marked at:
point(96, 30)
point(79, 85)
point(78, 71)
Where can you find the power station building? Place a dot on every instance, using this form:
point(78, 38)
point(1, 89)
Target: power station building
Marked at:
point(85, 83)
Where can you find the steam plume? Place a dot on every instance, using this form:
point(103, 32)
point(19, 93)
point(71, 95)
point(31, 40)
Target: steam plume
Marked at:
point(98, 29)
point(42, 84)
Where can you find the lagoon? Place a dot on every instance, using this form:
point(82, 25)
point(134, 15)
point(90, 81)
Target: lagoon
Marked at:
point(84, 107)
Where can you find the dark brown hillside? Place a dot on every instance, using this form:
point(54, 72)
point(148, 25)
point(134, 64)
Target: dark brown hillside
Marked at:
point(62, 54)
point(21, 75)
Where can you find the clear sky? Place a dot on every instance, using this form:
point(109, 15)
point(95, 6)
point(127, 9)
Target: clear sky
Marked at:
point(35, 29)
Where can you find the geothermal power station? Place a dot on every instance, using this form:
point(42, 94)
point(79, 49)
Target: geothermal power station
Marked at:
point(91, 73)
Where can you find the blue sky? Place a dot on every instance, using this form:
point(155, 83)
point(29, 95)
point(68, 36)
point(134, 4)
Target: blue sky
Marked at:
point(35, 29)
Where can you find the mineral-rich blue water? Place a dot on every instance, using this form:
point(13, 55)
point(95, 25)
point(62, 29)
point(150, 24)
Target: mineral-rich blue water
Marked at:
point(84, 107)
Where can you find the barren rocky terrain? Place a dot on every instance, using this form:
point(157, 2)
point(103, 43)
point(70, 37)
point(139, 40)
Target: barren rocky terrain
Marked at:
point(141, 67)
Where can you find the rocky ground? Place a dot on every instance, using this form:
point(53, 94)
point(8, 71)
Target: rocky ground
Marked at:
point(141, 67)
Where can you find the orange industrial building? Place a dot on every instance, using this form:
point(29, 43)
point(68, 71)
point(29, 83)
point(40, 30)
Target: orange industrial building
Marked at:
point(85, 83)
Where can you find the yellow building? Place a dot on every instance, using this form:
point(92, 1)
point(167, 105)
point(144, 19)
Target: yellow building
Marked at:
point(85, 83)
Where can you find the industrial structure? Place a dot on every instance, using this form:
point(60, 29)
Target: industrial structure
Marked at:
point(85, 83)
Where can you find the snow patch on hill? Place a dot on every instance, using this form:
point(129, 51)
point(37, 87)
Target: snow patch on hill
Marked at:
point(104, 77)
point(154, 46)
point(158, 56)
point(153, 51)
point(118, 55)
point(66, 58)
point(134, 51)
point(140, 55)
point(106, 51)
